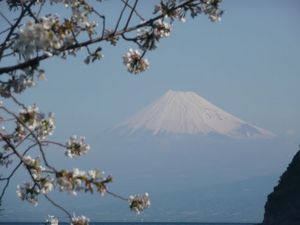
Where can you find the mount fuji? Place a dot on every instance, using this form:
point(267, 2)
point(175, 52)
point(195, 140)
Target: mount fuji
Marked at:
point(198, 162)
point(178, 112)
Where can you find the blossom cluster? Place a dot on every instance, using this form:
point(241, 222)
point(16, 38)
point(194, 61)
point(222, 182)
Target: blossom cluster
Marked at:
point(161, 29)
point(51, 220)
point(31, 119)
point(80, 19)
point(18, 84)
point(164, 9)
point(67, 3)
point(76, 146)
point(46, 184)
point(209, 7)
point(37, 36)
point(80, 220)
point(42, 185)
point(77, 180)
point(35, 167)
point(68, 181)
point(138, 203)
point(29, 192)
point(147, 37)
point(49, 35)
point(135, 62)
point(75, 220)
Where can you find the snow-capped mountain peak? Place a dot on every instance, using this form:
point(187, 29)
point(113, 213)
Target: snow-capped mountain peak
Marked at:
point(182, 112)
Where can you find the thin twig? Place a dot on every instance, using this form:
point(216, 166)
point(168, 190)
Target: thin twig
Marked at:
point(31, 14)
point(53, 142)
point(40, 9)
point(103, 20)
point(58, 206)
point(117, 196)
point(135, 11)
point(18, 102)
point(7, 20)
point(4, 31)
point(8, 180)
point(120, 17)
point(130, 15)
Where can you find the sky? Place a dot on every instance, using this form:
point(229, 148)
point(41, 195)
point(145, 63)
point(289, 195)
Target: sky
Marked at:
point(248, 64)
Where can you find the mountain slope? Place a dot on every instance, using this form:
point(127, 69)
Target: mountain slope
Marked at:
point(187, 113)
point(283, 204)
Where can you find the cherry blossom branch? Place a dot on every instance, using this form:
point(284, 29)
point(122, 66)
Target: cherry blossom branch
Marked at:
point(120, 16)
point(58, 206)
point(3, 137)
point(117, 196)
point(4, 31)
point(18, 102)
point(131, 13)
point(31, 62)
point(8, 180)
point(31, 175)
point(7, 141)
point(102, 17)
point(35, 61)
point(5, 18)
point(12, 29)
point(135, 11)
point(53, 142)
point(33, 135)
point(40, 9)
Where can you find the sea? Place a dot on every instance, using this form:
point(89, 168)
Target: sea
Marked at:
point(132, 223)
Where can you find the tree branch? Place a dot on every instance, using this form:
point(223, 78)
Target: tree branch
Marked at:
point(24, 10)
point(130, 15)
point(107, 36)
point(8, 180)
point(135, 11)
point(58, 206)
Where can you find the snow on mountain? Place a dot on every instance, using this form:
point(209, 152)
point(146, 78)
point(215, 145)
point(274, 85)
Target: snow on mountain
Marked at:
point(181, 112)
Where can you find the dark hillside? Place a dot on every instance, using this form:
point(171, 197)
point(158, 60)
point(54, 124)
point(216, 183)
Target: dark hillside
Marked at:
point(283, 204)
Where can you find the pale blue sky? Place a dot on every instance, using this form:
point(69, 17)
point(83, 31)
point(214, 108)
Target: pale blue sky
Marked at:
point(248, 64)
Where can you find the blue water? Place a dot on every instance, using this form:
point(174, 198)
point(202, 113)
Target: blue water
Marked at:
point(135, 223)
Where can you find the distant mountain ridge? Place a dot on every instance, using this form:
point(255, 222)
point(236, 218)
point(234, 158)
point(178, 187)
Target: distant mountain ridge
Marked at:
point(178, 112)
